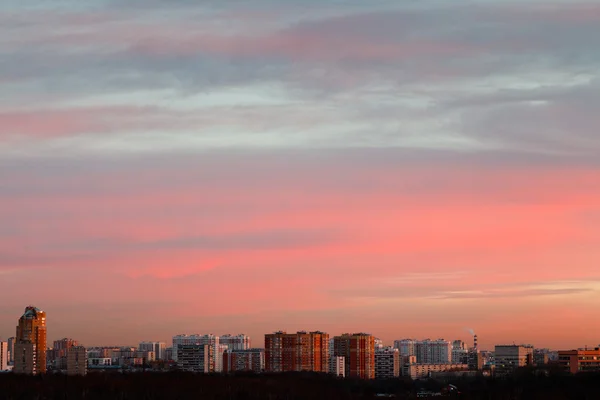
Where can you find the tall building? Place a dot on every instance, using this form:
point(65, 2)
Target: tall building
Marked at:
point(158, 348)
point(30, 346)
point(510, 357)
point(582, 360)
point(237, 342)
point(11, 350)
point(244, 360)
point(195, 358)
point(300, 351)
point(460, 353)
point(407, 347)
point(337, 366)
point(210, 340)
point(387, 363)
point(58, 354)
point(3, 356)
point(427, 351)
point(358, 350)
point(76, 360)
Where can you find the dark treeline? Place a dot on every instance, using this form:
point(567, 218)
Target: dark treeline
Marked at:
point(526, 385)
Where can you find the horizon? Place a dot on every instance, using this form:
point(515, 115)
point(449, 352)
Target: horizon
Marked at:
point(412, 169)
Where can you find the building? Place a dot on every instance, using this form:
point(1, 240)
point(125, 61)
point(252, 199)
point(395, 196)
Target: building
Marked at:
point(510, 357)
point(3, 356)
point(25, 358)
point(210, 340)
point(420, 371)
point(358, 350)
point(337, 366)
point(238, 342)
point(434, 351)
point(195, 358)
point(30, 342)
point(158, 348)
point(387, 363)
point(541, 357)
point(147, 356)
point(459, 352)
point(57, 356)
point(300, 351)
point(582, 360)
point(249, 360)
point(76, 361)
point(427, 351)
point(407, 347)
point(11, 350)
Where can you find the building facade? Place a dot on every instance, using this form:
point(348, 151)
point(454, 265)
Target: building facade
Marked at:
point(300, 351)
point(158, 348)
point(582, 360)
point(237, 342)
point(197, 358)
point(358, 350)
point(510, 357)
point(57, 356)
point(427, 351)
point(387, 363)
point(3, 356)
point(77, 361)
point(30, 345)
point(420, 371)
point(407, 347)
point(337, 366)
point(459, 352)
point(11, 350)
point(248, 360)
point(209, 340)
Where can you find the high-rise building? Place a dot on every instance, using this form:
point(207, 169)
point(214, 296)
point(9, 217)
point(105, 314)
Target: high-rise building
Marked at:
point(11, 350)
point(158, 348)
point(459, 352)
point(407, 347)
point(300, 351)
point(76, 360)
point(358, 350)
point(30, 346)
point(244, 360)
point(3, 356)
point(510, 357)
point(387, 363)
point(427, 351)
point(195, 358)
point(210, 340)
point(237, 342)
point(337, 366)
point(58, 354)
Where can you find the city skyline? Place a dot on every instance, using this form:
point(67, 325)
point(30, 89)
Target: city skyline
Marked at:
point(412, 169)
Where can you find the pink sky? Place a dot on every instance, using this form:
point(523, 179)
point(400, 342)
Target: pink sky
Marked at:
point(255, 167)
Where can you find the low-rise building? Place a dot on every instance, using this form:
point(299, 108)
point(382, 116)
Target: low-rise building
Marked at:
point(420, 371)
point(510, 357)
point(582, 360)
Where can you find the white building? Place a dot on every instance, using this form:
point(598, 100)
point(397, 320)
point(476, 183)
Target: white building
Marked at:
point(337, 366)
point(157, 347)
point(3, 356)
point(216, 359)
point(195, 358)
point(237, 342)
point(407, 347)
point(460, 352)
point(387, 363)
point(427, 351)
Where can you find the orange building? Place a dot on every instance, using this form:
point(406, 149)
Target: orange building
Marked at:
point(574, 361)
point(300, 351)
point(30, 342)
point(359, 352)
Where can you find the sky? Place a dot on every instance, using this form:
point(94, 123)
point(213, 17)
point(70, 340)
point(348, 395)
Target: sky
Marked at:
point(405, 168)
